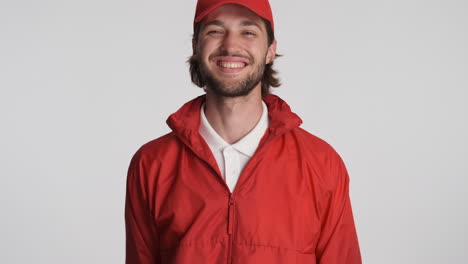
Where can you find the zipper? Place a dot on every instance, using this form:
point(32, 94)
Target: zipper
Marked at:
point(232, 204)
point(230, 227)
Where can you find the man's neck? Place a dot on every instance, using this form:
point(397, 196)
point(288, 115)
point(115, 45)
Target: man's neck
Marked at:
point(233, 118)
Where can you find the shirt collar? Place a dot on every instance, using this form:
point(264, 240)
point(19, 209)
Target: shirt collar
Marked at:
point(246, 145)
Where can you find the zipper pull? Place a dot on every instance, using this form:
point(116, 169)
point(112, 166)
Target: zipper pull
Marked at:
point(230, 216)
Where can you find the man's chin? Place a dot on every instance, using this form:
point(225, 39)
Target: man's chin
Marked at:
point(232, 86)
point(231, 91)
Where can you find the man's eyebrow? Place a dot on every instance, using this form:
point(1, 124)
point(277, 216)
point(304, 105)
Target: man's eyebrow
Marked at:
point(243, 23)
point(214, 23)
point(251, 23)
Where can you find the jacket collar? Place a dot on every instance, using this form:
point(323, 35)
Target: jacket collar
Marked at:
point(186, 122)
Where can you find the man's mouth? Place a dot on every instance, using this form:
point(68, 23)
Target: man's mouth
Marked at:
point(231, 65)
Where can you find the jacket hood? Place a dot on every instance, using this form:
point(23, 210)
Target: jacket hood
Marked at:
point(186, 121)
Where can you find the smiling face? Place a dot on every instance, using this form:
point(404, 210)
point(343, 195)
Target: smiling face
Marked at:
point(232, 47)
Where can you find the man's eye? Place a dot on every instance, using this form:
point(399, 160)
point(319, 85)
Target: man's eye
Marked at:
point(249, 33)
point(214, 31)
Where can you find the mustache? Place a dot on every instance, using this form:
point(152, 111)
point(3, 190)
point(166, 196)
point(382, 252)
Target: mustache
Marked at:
point(228, 54)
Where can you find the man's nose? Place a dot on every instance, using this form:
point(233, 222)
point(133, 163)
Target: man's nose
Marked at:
point(231, 43)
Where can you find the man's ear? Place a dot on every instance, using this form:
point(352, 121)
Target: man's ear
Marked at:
point(271, 53)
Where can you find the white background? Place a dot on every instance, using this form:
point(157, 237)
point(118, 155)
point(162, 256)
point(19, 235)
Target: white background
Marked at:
point(84, 83)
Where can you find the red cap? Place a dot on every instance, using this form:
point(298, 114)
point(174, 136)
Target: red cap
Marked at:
point(259, 7)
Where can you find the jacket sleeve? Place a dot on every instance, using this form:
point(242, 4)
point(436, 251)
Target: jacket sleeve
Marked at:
point(142, 245)
point(338, 242)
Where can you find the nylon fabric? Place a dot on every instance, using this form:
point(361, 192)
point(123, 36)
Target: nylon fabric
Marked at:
point(290, 205)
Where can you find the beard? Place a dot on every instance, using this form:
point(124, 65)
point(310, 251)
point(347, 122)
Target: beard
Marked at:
point(233, 88)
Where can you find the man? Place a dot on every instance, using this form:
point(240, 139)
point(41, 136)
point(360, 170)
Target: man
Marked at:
point(237, 180)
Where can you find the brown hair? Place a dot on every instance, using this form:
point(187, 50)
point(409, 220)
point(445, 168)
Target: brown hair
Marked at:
point(269, 78)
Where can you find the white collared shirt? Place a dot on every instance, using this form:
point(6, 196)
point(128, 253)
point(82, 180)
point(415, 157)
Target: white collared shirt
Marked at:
point(232, 159)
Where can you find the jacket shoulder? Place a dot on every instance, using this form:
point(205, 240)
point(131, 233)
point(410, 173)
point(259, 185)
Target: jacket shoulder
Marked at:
point(319, 154)
point(158, 147)
point(148, 159)
point(314, 143)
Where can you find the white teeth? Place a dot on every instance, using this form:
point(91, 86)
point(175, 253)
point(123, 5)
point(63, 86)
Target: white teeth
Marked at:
point(232, 65)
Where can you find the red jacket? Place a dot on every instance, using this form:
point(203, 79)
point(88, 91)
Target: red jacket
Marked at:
point(290, 204)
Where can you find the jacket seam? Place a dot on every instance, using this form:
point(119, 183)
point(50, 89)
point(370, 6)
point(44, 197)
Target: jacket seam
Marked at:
point(270, 246)
point(193, 243)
